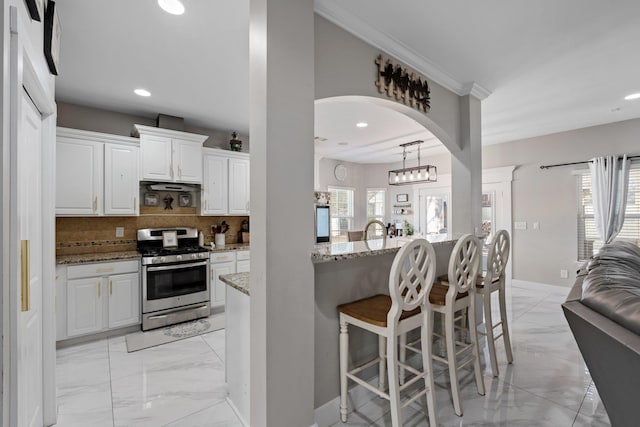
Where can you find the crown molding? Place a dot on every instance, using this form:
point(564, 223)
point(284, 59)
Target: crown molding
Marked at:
point(474, 89)
point(356, 26)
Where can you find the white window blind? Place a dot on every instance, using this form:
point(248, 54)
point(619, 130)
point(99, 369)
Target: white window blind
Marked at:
point(588, 240)
point(341, 210)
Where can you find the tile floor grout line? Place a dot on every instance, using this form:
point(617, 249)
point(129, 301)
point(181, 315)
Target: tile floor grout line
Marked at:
point(544, 398)
point(113, 415)
point(582, 403)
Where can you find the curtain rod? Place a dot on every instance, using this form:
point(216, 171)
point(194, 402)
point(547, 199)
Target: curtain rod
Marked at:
point(578, 163)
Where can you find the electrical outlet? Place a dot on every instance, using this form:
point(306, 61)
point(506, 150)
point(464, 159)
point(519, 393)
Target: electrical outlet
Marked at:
point(536, 226)
point(119, 231)
point(564, 274)
point(520, 225)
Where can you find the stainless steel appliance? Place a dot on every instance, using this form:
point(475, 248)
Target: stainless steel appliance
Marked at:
point(175, 276)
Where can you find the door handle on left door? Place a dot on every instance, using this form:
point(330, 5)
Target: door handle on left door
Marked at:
point(25, 291)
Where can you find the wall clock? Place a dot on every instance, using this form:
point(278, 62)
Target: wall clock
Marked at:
point(340, 172)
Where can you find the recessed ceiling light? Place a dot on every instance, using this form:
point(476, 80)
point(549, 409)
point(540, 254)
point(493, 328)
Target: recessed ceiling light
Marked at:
point(632, 96)
point(343, 143)
point(362, 124)
point(173, 7)
point(142, 92)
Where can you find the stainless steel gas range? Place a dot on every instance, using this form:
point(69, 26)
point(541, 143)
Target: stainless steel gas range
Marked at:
point(175, 276)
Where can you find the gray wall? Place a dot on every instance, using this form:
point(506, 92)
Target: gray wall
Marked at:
point(549, 196)
point(99, 120)
point(345, 66)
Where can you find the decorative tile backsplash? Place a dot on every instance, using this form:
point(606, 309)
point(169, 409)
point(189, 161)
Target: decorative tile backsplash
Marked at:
point(81, 235)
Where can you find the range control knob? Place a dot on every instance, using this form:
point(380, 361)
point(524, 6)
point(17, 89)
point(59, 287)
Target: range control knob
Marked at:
point(179, 257)
point(162, 259)
point(194, 256)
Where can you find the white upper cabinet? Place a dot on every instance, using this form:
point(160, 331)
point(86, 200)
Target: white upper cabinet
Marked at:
point(225, 187)
point(96, 174)
point(156, 158)
point(238, 186)
point(121, 180)
point(169, 155)
point(188, 159)
point(214, 184)
point(78, 176)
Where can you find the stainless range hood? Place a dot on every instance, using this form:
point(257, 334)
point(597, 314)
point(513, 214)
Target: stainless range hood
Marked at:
point(169, 186)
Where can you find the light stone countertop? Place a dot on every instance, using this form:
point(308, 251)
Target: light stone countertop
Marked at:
point(96, 257)
point(239, 281)
point(230, 247)
point(364, 248)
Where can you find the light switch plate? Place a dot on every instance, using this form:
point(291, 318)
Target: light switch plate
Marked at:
point(564, 274)
point(119, 231)
point(536, 226)
point(520, 225)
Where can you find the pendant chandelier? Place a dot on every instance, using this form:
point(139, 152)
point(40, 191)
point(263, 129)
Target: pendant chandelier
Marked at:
point(412, 175)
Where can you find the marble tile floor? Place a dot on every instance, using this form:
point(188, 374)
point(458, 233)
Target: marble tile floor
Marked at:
point(177, 384)
point(547, 385)
point(182, 383)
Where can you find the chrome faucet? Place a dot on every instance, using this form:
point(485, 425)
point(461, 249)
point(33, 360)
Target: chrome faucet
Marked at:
point(369, 224)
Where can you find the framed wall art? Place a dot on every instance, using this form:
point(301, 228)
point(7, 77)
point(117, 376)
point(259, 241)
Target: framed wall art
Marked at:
point(184, 200)
point(151, 199)
point(52, 32)
point(402, 198)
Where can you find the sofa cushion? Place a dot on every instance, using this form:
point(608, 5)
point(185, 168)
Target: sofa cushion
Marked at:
point(612, 284)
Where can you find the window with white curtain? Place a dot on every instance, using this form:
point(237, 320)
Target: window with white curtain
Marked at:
point(588, 240)
point(342, 210)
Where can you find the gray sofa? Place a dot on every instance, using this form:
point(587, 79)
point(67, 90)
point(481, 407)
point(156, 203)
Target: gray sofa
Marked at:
point(605, 321)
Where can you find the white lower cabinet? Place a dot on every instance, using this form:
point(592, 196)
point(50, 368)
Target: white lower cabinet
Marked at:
point(226, 263)
point(243, 261)
point(221, 263)
point(96, 297)
point(84, 306)
point(124, 300)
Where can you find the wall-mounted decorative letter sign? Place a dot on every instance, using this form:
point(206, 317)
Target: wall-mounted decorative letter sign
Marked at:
point(404, 85)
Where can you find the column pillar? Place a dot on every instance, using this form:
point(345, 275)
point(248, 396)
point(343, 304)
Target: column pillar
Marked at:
point(466, 171)
point(282, 159)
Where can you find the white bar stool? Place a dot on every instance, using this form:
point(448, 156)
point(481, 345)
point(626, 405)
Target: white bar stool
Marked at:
point(406, 309)
point(494, 281)
point(458, 295)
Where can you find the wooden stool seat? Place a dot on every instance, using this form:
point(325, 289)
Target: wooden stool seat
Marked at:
point(373, 310)
point(444, 279)
point(439, 292)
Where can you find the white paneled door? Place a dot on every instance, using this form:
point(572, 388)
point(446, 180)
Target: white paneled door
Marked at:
point(29, 197)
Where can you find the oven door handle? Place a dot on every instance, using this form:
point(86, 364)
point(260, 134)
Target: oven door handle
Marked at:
point(177, 266)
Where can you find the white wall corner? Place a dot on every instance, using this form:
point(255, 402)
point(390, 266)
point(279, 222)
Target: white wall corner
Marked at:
point(475, 90)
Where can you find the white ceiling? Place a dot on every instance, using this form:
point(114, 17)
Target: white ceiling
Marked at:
point(546, 66)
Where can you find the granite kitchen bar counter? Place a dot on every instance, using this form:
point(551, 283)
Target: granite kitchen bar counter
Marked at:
point(239, 281)
point(329, 252)
point(346, 272)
